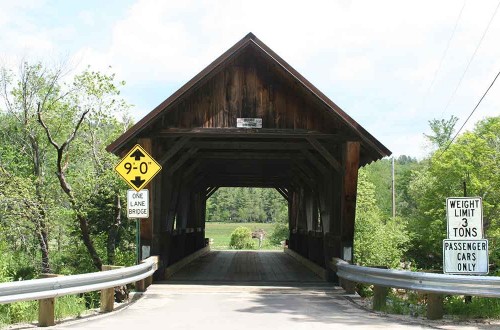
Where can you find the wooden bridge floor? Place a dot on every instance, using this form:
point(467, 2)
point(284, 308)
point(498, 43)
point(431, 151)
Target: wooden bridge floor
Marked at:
point(246, 267)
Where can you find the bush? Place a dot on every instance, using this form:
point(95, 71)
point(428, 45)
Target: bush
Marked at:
point(241, 238)
point(279, 234)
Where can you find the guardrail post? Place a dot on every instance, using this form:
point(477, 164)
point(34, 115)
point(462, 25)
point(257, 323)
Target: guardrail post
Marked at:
point(148, 281)
point(348, 286)
point(108, 295)
point(435, 308)
point(140, 286)
point(380, 297)
point(46, 308)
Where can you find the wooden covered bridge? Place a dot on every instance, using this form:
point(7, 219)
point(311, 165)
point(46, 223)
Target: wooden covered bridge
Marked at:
point(294, 139)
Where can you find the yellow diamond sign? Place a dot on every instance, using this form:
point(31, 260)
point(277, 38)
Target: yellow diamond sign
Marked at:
point(137, 168)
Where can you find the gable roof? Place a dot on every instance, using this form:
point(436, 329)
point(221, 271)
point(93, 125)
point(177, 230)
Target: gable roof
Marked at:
point(250, 40)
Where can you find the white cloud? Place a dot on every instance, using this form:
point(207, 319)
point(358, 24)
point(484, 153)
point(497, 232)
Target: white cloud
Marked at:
point(87, 17)
point(376, 59)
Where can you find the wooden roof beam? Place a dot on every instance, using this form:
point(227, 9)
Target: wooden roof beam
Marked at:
point(174, 149)
point(238, 145)
point(282, 193)
point(326, 154)
point(184, 158)
point(249, 133)
point(211, 191)
point(310, 157)
point(249, 155)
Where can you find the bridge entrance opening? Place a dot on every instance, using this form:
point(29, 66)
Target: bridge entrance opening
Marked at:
point(250, 120)
point(246, 219)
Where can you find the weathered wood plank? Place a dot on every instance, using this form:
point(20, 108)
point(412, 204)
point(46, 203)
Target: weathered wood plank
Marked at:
point(184, 158)
point(201, 132)
point(239, 145)
point(326, 154)
point(350, 182)
point(174, 149)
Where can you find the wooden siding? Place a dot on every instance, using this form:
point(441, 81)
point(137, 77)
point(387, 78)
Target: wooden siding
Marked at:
point(249, 87)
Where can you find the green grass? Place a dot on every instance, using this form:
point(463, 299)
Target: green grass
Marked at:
point(220, 232)
point(479, 307)
point(27, 311)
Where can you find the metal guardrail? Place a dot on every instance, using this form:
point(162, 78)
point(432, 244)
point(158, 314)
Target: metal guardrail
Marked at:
point(64, 285)
point(483, 286)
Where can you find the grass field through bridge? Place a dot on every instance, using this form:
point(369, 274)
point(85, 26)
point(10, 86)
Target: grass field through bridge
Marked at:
point(220, 232)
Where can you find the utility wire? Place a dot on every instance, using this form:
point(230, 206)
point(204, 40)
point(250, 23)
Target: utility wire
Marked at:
point(444, 55)
point(470, 115)
point(470, 60)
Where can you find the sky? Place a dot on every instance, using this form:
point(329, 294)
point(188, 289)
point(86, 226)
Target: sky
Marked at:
point(391, 65)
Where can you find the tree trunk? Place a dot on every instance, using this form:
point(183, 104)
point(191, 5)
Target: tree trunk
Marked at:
point(82, 221)
point(44, 246)
point(42, 232)
point(84, 229)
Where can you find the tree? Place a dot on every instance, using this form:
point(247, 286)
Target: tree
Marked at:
point(93, 93)
point(20, 94)
point(473, 158)
point(377, 241)
point(442, 130)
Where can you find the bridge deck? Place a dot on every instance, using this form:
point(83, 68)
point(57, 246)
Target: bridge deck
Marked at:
point(246, 267)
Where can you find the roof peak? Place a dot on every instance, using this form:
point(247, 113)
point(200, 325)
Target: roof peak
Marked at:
point(250, 35)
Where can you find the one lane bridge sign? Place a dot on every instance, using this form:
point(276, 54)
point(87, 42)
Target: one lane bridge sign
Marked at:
point(137, 168)
point(138, 204)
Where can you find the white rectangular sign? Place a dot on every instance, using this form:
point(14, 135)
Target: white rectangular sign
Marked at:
point(469, 257)
point(465, 218)
point(249, 122)
point(137, 204)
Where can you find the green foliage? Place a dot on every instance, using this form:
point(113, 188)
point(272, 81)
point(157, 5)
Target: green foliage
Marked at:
point(279, 234)
point(32, 203)
point(406, 302)
point(25, 311)
point(478, 308)
point(220, 232)
point(246, 205)
point(473, 159)
point(241, 238)
point(442, 130)
point(377, 241)
point(72, 305)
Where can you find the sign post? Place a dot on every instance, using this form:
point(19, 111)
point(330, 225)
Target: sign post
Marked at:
point(465, 251)
point(138, 208)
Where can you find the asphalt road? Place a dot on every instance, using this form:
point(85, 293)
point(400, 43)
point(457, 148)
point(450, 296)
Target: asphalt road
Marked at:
point(241, 307)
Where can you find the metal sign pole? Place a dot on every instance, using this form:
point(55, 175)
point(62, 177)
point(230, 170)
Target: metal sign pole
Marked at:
point(138, 240)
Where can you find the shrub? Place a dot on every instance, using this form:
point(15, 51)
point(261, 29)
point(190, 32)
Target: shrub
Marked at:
point(279, 234)
point(241, 238)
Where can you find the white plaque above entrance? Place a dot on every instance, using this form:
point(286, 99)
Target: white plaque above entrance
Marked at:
point(249, 122)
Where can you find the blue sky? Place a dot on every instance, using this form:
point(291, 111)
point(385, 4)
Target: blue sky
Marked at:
point(379, 61)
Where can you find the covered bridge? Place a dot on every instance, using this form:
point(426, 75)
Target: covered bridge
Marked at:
point(299, 142)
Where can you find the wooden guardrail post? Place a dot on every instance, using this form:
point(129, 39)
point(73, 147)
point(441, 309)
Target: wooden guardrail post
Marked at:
point(435, 307)
point(46, 308)
point(380, 297)
point(148, 281)
point(348, 286)
point(140, 286)
point(108, 295)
